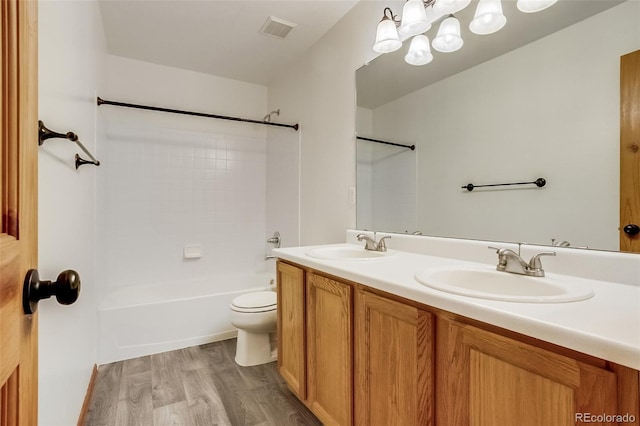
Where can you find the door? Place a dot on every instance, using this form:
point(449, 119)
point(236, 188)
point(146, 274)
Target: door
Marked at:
point(393, 363)
point(630, 152)
point(483, 378)
point(18, 204)
point(291, 323)
point(329, 350)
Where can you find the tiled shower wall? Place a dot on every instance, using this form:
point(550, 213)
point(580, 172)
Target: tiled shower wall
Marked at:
point(166, 189)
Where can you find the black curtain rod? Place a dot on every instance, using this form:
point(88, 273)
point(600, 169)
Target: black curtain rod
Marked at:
point(197, 114)
point(411, 147)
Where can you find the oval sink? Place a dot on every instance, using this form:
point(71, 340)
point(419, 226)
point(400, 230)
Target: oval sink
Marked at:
point(487, 283)
point(347, 253)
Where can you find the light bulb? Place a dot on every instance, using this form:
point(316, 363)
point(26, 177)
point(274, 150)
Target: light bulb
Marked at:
point(448, 38)
point(530, 6)
point(387, 35)
point(419, 51)
point(414, 19)
point(488, 18)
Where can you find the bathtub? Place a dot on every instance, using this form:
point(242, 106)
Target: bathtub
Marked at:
point(143, 320)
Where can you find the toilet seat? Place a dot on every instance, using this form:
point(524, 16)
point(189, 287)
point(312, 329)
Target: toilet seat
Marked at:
point(259, 301)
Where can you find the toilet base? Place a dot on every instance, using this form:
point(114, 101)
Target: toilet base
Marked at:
point(254, 349)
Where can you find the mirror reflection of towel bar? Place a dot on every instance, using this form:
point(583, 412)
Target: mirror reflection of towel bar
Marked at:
point(540, 182)
point(44, 133)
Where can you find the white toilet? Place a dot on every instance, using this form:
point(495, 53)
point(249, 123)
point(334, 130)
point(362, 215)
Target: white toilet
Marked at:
point(254, 314)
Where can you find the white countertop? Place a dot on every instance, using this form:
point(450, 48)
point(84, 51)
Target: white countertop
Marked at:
point(606, 326)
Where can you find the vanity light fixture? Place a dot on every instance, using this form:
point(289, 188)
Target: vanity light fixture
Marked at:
point(419, 15)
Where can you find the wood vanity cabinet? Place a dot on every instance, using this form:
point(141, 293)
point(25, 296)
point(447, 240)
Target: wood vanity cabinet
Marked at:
point(485, 378)
point(355, 355)
point(315, 342)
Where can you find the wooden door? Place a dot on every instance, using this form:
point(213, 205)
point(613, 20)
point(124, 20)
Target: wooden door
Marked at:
point(18, 203)
point(483, 378)
point(630, 152)
point(291, 323)
point(330, 350)
point(393, 363)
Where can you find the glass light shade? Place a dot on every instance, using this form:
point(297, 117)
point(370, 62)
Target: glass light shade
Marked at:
point(448, 38)
point(488, 18)
point(387, 37)
point(431, 14)
point(446, 7)
point(530, 6)
point(414, 19)
point(419, 51)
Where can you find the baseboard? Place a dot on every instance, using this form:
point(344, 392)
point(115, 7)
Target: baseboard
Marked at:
point(87, 398)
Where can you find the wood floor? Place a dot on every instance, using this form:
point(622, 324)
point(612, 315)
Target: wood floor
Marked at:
point(197, 386)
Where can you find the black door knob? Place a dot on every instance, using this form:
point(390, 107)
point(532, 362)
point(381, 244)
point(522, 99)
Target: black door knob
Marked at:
point(631, 229)
point(66, 289)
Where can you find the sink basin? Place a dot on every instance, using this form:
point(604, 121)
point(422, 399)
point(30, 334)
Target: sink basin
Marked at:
point(347, 253)
point(487, 283)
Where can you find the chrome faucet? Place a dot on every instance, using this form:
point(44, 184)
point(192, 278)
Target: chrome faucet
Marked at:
point(371, 243)
point(510, 261)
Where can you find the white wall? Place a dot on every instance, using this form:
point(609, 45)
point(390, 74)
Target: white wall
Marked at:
point(549, 109)
point(71, 53)
point(170, 181)
point(318, 91)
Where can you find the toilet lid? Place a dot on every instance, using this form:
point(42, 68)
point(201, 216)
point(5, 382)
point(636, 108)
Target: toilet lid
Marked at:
point(258, 301)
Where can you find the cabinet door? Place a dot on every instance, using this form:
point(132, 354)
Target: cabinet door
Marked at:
point(291, 327)
point(488, 379)
point(330, 349)
point(394, 363)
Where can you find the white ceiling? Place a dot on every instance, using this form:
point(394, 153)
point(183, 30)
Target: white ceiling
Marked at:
point(217, 37)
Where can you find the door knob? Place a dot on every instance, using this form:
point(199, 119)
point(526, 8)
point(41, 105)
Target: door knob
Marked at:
point(631, 229)
point(66, 289)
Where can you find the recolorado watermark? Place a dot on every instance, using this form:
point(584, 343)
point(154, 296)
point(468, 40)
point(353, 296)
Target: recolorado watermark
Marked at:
point(604, 418)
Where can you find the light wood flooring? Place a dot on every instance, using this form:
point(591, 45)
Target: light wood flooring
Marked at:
point(197, 386)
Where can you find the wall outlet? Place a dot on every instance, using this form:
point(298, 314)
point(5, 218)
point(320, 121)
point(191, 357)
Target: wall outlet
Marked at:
point(351, 197)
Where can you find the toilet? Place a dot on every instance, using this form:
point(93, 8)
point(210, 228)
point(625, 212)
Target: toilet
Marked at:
point(254, 315)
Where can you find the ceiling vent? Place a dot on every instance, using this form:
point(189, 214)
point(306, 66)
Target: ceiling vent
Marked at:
point(276, 27)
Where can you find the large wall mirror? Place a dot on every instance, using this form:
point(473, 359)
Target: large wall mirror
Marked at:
point(539, 99)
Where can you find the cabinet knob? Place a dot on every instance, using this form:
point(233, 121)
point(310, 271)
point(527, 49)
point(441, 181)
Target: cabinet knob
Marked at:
point(66, 288)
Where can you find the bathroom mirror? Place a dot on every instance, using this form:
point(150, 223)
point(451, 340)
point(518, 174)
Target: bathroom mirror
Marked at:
point(539, 99)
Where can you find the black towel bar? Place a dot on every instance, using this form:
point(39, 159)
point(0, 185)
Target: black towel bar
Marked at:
point(540, 182)
point(44, 133)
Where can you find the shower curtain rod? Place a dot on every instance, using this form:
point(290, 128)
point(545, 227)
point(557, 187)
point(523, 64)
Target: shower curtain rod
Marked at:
point(197, 114)
point(411, 147)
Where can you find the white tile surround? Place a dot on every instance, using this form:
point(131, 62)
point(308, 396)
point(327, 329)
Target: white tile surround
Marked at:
point(167, 188)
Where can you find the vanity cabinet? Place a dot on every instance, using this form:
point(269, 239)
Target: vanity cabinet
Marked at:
point(394, 362)
point(315, 342)
point(355, 355)
point(485, 378)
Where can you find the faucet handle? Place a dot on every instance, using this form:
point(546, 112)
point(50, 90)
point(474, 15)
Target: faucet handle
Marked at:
point(535, 266)
point(500, 250)
point(381, 244)
point(535, 263)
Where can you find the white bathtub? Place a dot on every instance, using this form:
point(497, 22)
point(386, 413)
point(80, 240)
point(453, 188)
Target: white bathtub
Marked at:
point(143, 320)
